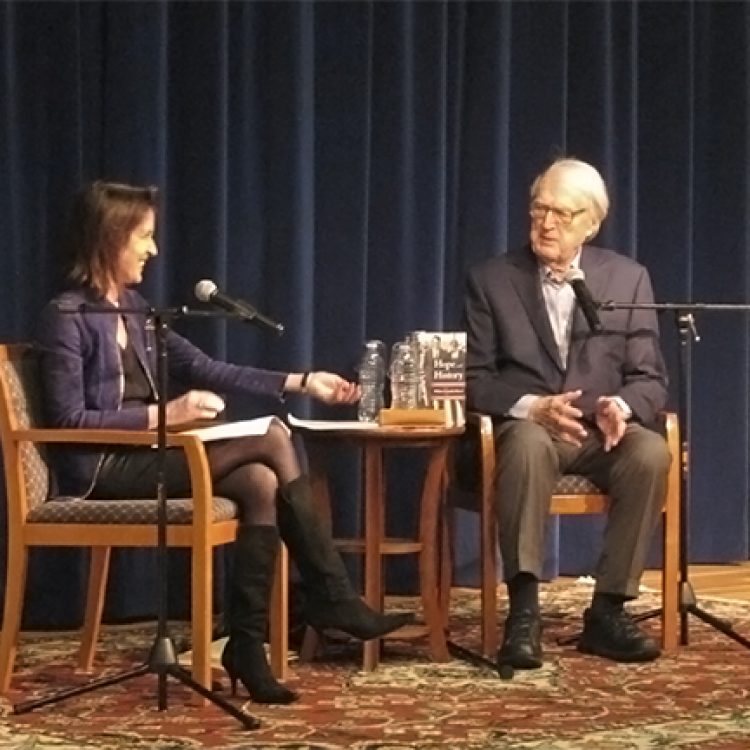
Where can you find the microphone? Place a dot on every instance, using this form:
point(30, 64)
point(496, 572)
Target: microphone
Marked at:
point(576, 278)
point(207, 291)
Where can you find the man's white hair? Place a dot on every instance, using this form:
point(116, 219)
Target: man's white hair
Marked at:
point(581, 177)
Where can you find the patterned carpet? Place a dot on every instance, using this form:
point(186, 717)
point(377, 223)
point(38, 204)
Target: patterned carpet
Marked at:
point(694, 698)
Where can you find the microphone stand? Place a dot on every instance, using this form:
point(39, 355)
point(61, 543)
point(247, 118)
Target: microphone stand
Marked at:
point(685, 322)
point(162, 660)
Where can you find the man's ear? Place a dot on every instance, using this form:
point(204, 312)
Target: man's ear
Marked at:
point(592, 231)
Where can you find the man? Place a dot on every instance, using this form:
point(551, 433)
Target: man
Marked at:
point(567, 397)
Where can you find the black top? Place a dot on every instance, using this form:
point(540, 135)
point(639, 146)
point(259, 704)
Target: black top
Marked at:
point(137, 389)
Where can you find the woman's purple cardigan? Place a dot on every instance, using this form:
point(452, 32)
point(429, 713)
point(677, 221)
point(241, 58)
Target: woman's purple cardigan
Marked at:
point(82, 382)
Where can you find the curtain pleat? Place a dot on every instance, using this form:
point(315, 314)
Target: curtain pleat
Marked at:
point(341, 165)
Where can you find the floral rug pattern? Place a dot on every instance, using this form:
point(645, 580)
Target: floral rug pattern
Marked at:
point(695, 697)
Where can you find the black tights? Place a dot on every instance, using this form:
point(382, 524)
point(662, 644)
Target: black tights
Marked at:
point(250, 470)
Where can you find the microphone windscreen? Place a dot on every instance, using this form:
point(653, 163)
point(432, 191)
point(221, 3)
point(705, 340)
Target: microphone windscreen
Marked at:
point(205, 289)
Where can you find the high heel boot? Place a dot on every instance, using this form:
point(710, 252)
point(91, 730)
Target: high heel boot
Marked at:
point(331, 602)
point(244, 656)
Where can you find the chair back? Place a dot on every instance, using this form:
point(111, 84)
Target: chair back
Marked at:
point(26, 473)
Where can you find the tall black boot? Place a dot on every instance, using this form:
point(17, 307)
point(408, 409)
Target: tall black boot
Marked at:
point(331, 602)
point(244, 656)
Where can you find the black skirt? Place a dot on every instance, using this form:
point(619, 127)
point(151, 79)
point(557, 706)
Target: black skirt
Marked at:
point(133, 473)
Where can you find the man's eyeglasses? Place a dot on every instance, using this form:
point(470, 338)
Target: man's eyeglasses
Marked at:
point(538, 212)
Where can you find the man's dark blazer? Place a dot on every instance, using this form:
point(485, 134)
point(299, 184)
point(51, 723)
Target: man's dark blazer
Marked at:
point(512, 350)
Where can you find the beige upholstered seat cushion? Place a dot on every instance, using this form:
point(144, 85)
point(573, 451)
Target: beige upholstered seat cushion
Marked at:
point(575, 484)
point(75, 510)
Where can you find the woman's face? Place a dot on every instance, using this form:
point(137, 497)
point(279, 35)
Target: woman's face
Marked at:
point(139, 248)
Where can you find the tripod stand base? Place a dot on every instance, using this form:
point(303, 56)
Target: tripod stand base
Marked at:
point(163, 663)
point(688, 606)
point(715, 622)
point(506, 671)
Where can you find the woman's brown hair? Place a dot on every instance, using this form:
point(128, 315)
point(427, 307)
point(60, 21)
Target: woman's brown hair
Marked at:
point(102, 218)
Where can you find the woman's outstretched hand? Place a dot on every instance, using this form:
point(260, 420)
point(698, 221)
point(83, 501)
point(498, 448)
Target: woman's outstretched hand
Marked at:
point(331, 388)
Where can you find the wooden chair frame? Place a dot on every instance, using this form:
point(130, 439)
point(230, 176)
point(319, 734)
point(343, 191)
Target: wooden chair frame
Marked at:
point(575, 504)
point(200, 536)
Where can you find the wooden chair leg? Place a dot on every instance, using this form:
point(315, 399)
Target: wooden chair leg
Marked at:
point(671, 578)
point(488, 561)
point(311, 645)
point(279, 617)
point(447, 532)
point(671, 555)
point(97, 587)
point(430, 557)
point(18, 557)
point(201, 625)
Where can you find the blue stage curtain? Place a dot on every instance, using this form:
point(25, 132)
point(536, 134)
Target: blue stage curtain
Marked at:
point(341, 164)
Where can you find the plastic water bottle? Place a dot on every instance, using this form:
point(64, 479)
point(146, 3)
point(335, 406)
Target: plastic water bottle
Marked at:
point(417, 339)
point(404, 372)
point(371, 381)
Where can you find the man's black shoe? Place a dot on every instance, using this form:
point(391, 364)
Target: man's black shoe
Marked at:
point(614, 635)
point(522, 641)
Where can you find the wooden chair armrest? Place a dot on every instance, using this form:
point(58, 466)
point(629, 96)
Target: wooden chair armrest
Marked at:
point(485, 470)
point(195, 454)
point(100, 437)
point(671, 426)
point(675, 448)
point(483, 423)
point(477, 419)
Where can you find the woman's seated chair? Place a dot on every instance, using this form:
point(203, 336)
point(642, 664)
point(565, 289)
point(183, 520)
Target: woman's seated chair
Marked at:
point(200, 522)
point(472, 489)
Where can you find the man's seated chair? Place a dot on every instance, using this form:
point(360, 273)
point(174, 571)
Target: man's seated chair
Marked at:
point(472, 489)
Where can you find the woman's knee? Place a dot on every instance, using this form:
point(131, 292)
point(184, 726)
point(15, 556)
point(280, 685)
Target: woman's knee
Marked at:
point(252, 486)
point(278, 435)
point(263, 480)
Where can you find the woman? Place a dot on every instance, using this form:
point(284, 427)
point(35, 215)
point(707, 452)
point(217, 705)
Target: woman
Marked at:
point(98, 371)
